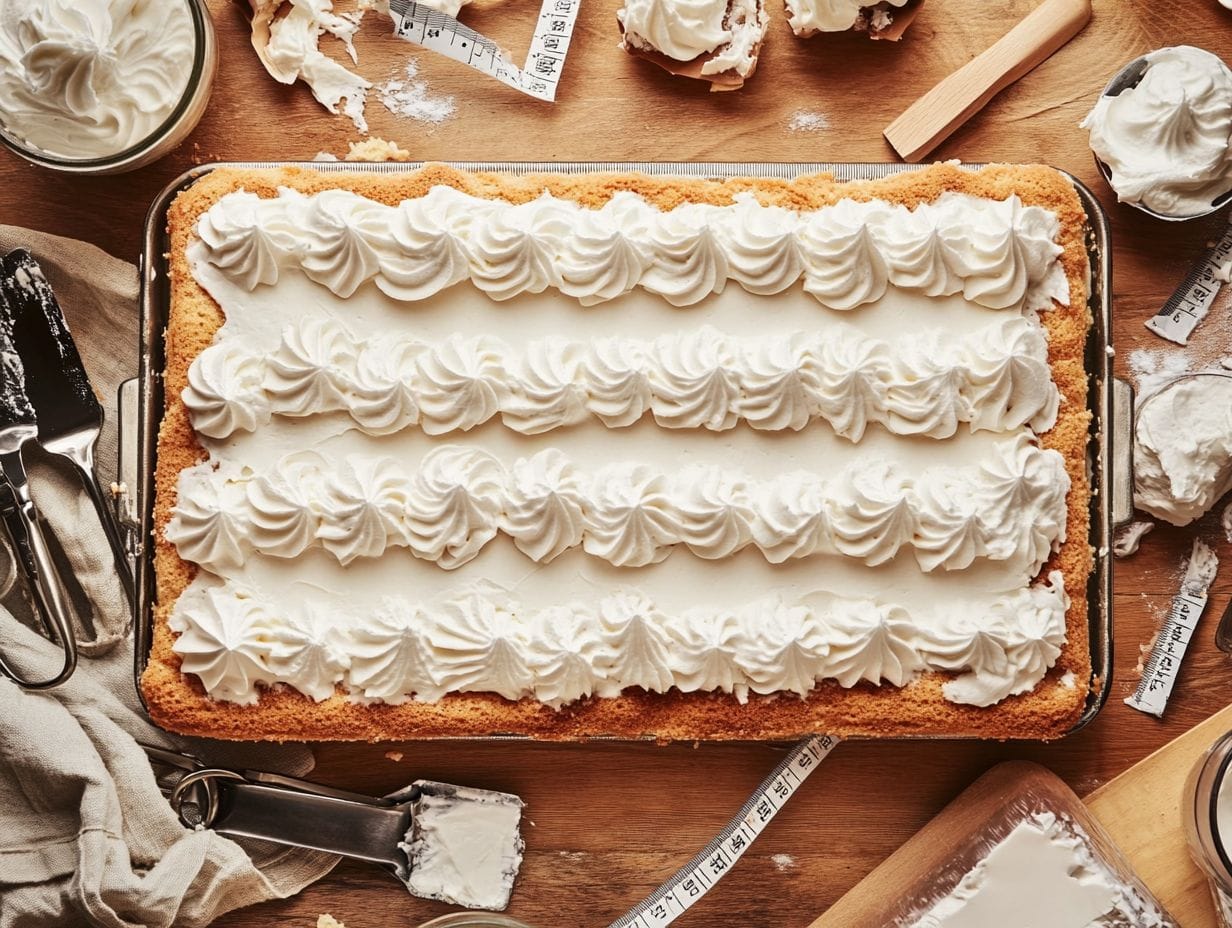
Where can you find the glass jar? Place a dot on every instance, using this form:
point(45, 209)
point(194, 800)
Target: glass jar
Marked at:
point(1208, 787)
point(182, 119)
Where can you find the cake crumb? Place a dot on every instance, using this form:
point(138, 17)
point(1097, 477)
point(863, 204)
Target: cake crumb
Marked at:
point(408, 96)
point(328, 921)
point(808, 121)
point(395, 756)
point(783, 862)
point(375, 150)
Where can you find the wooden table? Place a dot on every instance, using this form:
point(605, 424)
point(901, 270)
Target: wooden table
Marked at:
point(606, 822)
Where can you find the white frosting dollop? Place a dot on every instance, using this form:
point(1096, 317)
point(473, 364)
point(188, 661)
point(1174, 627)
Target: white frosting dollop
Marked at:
point(808, 17)
point(1010, 507)
point(482, 640)
point(1166, 140)
point(1183, 448)
point(83, 79)
point(728, 31)
point(998, 253)
point(996, 377)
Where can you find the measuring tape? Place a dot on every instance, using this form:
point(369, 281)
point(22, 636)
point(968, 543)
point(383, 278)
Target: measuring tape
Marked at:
point(1164, 664)
point(1192, 300)
point(712, 863)
point(440, 33)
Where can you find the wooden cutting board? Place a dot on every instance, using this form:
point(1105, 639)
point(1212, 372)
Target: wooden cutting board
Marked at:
point(1140, 810)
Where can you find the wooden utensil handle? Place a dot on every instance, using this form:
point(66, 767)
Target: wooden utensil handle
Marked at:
point(931, 119)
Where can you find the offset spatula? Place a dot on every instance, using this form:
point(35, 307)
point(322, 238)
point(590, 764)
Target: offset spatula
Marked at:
point(70, 418)
point(18, 425)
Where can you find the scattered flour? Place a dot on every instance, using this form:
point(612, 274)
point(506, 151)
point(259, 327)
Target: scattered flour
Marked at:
point(807, 121)
point(324, 156)
point(783, 862)
point(1152, 369)
point(328, 921)
point(409, 96)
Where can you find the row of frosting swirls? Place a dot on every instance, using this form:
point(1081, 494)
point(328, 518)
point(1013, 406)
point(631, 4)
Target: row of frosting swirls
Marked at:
point(997, 253)
point(994, 378)
point(481, 640)
point(1011, 505)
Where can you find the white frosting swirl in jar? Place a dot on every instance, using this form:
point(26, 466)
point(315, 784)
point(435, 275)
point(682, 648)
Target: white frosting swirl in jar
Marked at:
point(1166, 139)
point(85, 79)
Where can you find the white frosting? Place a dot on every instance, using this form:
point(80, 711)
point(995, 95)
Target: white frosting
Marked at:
point(482, 640)
point(728, 31)
point(292, 53)
point(1183, 449)
point(1044, 872)
point(997, 253)
point(1166, 140)
point(994, 378)
point(627, 433)
point(808, 17)
point(464, 846)
point(1008, 507)
point(82, 79)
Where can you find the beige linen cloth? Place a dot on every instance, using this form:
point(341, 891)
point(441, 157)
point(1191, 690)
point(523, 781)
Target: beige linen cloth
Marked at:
point(86, 838)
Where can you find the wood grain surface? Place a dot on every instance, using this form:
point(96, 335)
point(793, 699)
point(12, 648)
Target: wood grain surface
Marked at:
point(606, 821)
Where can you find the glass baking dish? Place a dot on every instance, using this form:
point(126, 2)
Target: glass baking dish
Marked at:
point(1110, 401)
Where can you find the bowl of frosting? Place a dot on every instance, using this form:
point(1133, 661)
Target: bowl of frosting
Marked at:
point(102, 86)
point(1160, 132)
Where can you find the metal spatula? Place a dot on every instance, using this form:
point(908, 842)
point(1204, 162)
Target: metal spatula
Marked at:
point(458, 844)
point(70, 418)
point(18, 426)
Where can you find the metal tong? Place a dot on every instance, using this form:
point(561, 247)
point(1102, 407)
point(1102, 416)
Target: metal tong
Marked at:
point(298, 813)
point(45, 398)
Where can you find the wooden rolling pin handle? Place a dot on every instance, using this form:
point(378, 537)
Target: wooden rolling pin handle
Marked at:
point(930, 120)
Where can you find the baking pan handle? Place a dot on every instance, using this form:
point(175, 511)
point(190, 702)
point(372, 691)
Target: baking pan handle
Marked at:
point(1122, 482)
point(128, 467)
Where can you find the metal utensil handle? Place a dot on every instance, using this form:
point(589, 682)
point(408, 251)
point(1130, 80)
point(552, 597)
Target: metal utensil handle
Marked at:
point(1122, 435)
point(83, 460)
point(345, 824)
point(32, 551)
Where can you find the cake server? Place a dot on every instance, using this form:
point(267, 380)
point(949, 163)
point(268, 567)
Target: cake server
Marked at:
point(70, 417)
point(18, 426)
point(456, 844)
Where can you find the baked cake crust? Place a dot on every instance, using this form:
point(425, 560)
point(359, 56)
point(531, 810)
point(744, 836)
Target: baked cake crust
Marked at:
point(178, 701)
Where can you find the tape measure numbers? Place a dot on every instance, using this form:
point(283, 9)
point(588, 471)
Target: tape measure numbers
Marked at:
point(1164, 664)
point(1193, 299)
point(445, 35)
point(712, 863)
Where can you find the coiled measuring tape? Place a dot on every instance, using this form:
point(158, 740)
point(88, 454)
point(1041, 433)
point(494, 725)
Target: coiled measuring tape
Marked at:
point(443, 34)
point(715, 860)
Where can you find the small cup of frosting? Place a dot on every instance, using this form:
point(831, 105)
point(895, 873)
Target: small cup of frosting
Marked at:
point(1160, 132)
point(102, 86)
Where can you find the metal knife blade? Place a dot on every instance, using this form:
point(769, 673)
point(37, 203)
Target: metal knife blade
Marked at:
point(70, 417)
point(56, 381)
point(18, 424)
